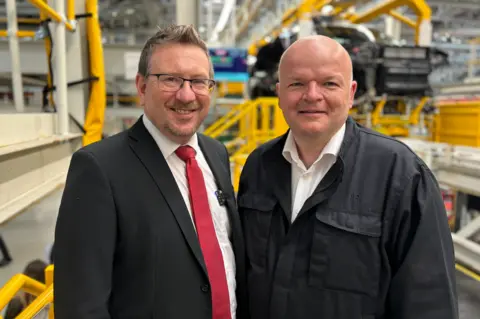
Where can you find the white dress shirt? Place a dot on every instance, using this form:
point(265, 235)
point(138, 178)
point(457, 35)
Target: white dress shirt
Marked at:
point(219, 213)
point(304, 181)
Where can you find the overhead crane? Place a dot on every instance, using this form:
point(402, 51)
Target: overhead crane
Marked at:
point(407, 109)
point(307, 8)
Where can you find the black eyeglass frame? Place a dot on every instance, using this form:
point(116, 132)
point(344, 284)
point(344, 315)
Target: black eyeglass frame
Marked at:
point(210, 89)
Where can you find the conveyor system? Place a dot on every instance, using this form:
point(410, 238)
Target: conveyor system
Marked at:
point(457, 169)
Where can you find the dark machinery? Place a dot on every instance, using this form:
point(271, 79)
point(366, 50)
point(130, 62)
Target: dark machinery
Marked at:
point(379, 67)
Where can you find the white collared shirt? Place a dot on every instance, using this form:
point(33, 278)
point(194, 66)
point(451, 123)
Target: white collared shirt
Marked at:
point(219, 213)
point(304, 181)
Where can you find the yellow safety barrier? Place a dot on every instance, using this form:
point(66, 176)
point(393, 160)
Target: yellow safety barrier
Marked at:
point(256, 122)
point(42, 292)
point(51, 13)
point(17, 283)
point(95, 116)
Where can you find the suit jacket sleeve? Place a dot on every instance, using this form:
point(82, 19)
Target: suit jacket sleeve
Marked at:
point(85, 239)
point(421, 254)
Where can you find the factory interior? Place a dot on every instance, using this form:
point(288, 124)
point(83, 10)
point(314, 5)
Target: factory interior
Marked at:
point(67, 80)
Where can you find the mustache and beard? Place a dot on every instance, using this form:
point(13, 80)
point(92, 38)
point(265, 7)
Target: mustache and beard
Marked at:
point(181, 127)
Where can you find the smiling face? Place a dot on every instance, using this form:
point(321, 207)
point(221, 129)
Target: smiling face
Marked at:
point(315, 87)
point(177, 114)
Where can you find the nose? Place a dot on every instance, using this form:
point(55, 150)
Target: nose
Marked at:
point(312, 92)
point(186, 94)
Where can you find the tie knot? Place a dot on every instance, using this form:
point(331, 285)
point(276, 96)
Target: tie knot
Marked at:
point(185, 152)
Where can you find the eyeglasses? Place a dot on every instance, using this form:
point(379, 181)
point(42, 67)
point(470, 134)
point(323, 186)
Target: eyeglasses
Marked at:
point(172, 83)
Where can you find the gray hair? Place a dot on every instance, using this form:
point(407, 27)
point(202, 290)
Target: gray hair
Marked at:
point(185, 34)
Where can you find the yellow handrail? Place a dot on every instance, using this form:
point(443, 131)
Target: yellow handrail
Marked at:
point(45, 298)
point(17, 283)
point(226, 124)
point(95, 116)
point(224, 118)
point(70, 10)
point(44, 7)
point(20, 34)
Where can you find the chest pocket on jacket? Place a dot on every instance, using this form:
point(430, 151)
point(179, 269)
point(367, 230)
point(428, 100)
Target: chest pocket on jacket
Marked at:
point(256, 212)
point(345, 252)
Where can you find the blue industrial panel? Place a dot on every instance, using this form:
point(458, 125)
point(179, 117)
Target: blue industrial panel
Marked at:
point(229, 64)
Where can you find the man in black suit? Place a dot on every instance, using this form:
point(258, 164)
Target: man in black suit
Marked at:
point(148, 226)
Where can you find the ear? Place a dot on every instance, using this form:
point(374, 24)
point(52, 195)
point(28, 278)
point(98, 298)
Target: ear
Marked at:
point(141, 85)
point(353, 90)
point(277, 87)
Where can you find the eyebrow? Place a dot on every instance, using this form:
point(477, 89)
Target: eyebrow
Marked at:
point(193, 76)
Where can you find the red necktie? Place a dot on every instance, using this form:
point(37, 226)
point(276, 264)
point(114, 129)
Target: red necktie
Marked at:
point(206, 234)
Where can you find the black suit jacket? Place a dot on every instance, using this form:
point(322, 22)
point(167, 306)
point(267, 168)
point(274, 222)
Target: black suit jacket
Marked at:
point(125, 245)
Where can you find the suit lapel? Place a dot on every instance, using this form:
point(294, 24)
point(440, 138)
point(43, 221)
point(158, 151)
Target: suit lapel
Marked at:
point(279, 171)
point(147, 151)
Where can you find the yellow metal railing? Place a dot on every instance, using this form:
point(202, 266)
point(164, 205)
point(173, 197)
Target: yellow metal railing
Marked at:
point(255, 122)
point(95, 115)
point(51, 13)
point(43, 293)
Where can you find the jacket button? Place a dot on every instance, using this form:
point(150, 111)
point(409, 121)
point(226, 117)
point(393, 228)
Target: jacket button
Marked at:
point(205, 288)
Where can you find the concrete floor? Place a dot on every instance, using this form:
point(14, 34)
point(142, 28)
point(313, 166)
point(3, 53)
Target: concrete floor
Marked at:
point(30, 234)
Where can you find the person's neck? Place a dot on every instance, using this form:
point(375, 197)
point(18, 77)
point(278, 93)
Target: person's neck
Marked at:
point(310, 148)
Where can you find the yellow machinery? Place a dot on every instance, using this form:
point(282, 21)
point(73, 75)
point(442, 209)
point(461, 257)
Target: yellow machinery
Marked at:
point(457, 121)
point(308, 8)
point(408, 117)
point(458, 108)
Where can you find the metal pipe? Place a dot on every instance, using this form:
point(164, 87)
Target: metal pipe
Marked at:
point(61, 72)
point(20, 34)
point(54, 14)
point(15, 55)
point(70, 10)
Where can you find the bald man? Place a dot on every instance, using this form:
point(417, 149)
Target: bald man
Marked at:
point(340, 222)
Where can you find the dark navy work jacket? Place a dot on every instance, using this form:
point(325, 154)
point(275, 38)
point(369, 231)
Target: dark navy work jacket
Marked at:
point(371, 242)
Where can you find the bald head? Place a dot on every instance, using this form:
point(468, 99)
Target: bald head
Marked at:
point(316, 50)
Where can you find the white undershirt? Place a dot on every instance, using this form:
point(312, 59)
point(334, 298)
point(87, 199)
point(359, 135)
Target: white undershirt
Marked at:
point(305, 181)
point(219, 213)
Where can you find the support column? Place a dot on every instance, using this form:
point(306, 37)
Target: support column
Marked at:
point(305, 23)
point(77, 50)
point(393, 28)
point(210, 25)
point(186, 13)
point(15, 56)
point(425, 33)
point(76, 59)
point(59, 65)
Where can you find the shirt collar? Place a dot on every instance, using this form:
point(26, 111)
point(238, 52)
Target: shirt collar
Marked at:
point(333, 146)
point(167, 146)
